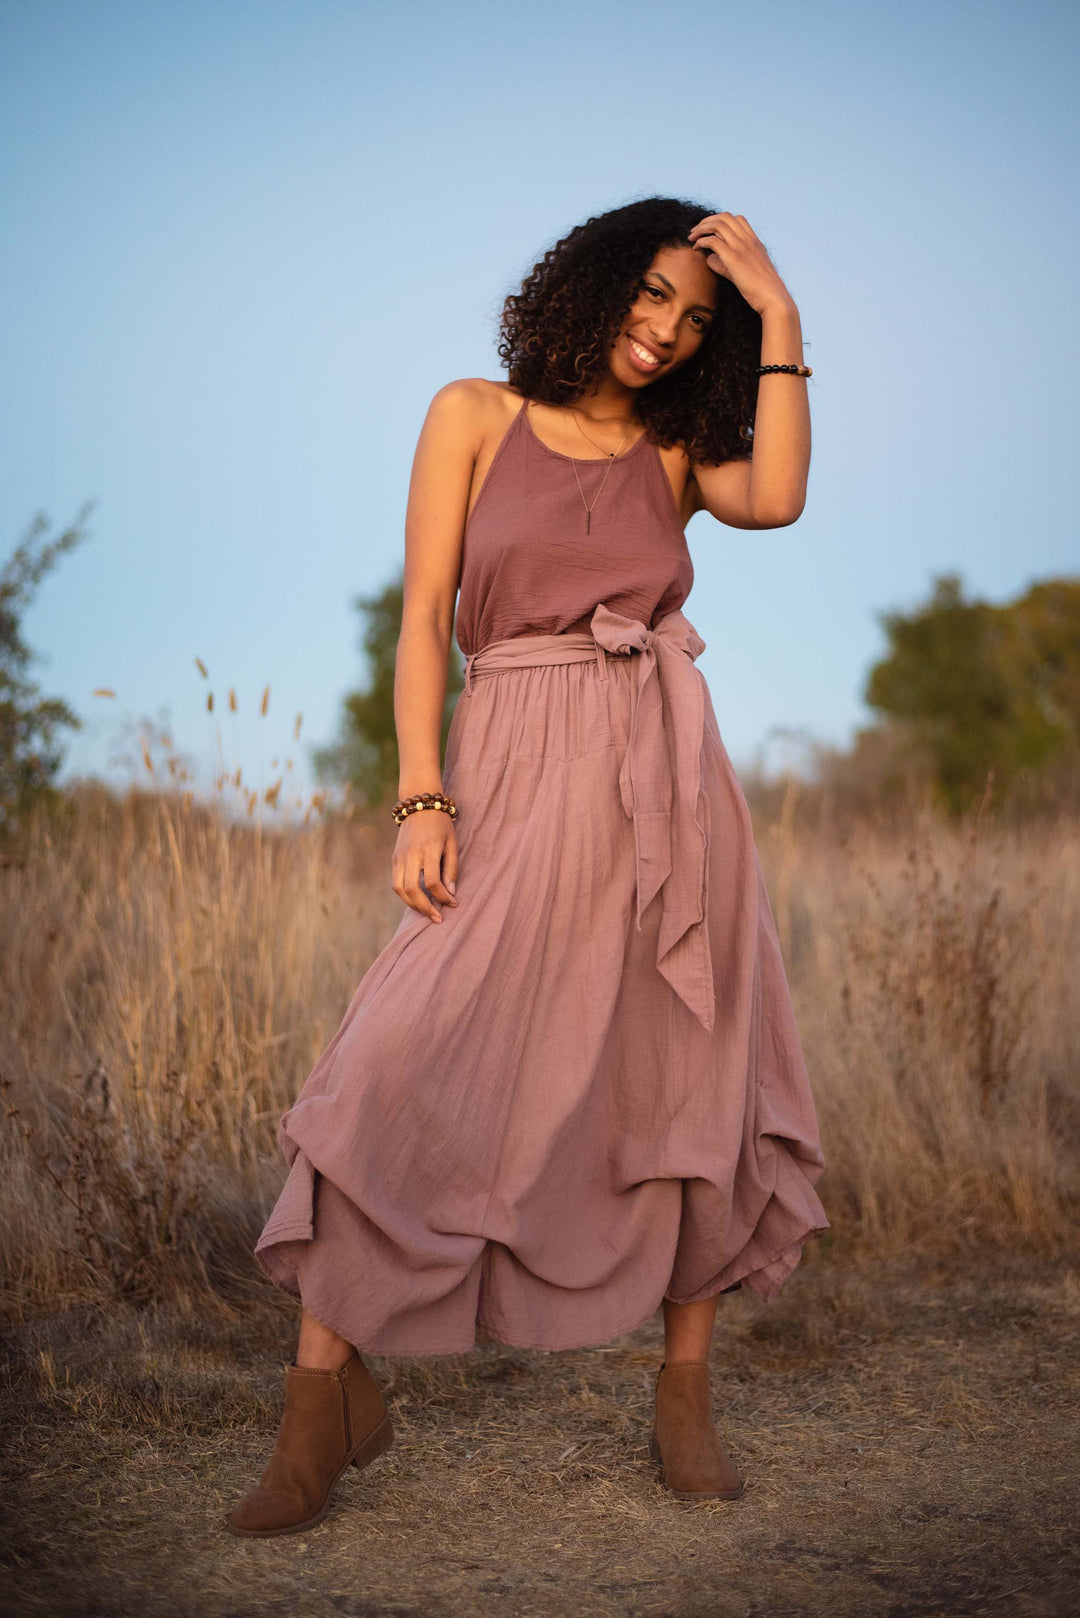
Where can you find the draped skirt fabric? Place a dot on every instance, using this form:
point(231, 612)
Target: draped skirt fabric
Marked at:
point(530, 1125)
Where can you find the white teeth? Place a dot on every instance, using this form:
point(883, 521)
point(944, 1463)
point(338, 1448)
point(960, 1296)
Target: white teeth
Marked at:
point(643, 353)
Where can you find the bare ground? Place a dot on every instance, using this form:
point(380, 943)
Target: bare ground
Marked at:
point(909, 1439)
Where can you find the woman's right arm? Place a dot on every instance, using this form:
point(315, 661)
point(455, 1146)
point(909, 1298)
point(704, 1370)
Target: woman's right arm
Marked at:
point(439, 487)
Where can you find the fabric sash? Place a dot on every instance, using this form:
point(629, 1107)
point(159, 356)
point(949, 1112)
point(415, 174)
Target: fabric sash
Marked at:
point(660, 776)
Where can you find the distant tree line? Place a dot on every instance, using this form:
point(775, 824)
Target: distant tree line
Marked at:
point(365, 756)
point(966, 692)
point(976, 687)
point(30, 723)
point(964, 688)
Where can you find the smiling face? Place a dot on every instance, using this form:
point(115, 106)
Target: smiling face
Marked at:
point(669, 318)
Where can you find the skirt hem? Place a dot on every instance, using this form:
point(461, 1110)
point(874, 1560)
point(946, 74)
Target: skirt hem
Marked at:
point(284, 1278)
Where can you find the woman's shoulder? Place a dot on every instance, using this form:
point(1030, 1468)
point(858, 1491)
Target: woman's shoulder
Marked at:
point(477, 401)
point(471, 415)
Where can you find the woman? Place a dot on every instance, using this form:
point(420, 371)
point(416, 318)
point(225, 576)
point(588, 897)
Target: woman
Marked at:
point(570, 1088)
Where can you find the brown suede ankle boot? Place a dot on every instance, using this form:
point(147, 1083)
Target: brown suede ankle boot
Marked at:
point(685, 1443)
point(330, 1419)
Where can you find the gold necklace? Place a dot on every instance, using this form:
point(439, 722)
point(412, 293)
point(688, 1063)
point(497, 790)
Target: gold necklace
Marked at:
point(585, 436)
point(611, 462)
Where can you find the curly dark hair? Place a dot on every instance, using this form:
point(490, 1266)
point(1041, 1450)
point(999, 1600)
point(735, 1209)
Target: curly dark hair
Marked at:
point(555, 332)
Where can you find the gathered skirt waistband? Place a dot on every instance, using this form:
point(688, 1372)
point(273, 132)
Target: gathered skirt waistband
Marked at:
point(660, 777)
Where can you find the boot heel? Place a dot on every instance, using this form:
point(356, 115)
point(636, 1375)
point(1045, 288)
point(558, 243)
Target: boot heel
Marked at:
point(694, 1465)
point(375, 1444)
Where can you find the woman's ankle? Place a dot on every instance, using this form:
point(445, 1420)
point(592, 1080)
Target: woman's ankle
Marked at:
point(322, 1362)
point(319, 1347)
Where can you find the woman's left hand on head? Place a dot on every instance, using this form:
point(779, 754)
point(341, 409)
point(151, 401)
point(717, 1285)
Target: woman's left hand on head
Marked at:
point(733, 250)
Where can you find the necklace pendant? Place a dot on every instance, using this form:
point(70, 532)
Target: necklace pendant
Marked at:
point(588, 519)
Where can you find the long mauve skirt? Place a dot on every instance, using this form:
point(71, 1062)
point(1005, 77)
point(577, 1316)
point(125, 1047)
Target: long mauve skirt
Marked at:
point(538, 1118)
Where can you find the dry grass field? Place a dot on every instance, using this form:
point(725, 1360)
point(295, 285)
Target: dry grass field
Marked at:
point(904, 1412)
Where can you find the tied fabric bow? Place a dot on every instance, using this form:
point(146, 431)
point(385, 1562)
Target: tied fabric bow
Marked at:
point(659, 776)
point(661, 791)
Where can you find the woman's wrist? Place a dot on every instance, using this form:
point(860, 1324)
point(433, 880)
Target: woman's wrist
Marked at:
point(781, 336)
point(413, 788)
point(779, 310)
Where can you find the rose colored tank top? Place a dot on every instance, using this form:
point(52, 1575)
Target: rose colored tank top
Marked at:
point(529, 568)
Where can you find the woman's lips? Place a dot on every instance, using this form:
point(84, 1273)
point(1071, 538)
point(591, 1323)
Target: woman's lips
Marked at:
point(651, 365)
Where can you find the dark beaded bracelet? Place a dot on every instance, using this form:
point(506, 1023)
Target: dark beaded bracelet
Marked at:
point(794, 370)
point(423, 800)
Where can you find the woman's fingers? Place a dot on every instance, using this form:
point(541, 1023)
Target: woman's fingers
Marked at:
point(416, 867)
point(436, 886)
point(735, 224)
point(733, 250)
point(407, 886)
point(718, 236)
point(450, 863)
point(717, 252)
point(412, 890)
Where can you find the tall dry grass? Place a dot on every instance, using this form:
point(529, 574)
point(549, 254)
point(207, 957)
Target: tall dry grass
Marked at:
point(171, 971)
point(936, 982)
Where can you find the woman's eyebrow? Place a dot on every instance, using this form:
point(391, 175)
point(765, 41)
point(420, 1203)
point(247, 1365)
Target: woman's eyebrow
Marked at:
point(702, 306)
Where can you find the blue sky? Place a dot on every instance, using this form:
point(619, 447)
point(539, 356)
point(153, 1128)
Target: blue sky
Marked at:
point(244, 243)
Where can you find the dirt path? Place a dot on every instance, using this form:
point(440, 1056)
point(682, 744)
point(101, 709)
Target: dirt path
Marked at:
point(909, 1443)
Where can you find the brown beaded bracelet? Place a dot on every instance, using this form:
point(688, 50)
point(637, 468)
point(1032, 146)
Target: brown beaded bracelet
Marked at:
point(794, 370)
point(423, 800)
